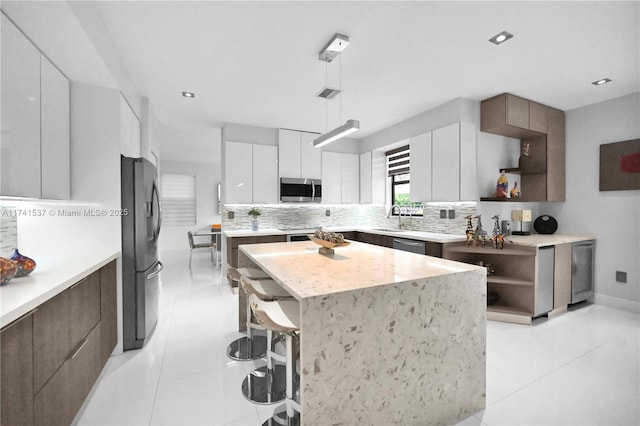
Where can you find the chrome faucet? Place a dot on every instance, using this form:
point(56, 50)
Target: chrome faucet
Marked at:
point(399, 214)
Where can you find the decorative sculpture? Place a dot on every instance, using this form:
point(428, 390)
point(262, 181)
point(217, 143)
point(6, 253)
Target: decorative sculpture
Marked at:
point(469, 231)
point(479, 235)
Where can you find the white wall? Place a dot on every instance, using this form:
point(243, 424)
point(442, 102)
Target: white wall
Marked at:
point(194, 150)
point(612, 216)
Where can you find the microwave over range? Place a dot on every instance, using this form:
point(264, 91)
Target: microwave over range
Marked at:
point(300, 190)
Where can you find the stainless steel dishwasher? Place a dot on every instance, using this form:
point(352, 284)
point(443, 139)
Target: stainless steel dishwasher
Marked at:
point(410, 245)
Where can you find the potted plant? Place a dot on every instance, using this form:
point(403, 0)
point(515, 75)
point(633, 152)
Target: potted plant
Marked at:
point(254, 213)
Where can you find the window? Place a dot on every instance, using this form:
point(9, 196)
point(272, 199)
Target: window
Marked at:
point(178, 199)
point(398, 171)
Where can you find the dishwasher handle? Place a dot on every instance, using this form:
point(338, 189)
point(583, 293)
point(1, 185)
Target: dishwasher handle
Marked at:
point(408, 243)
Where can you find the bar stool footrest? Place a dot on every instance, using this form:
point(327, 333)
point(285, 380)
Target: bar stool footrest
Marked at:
point(255, 387)
point(241, 349)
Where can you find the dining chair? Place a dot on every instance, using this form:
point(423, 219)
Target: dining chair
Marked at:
point(209, 245)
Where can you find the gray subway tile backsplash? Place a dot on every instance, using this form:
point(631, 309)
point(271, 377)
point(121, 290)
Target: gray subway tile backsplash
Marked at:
point(291, 216)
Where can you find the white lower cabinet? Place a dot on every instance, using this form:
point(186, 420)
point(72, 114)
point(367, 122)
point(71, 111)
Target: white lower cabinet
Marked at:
point(340, 178)
point(251, 173)
point(443, 164)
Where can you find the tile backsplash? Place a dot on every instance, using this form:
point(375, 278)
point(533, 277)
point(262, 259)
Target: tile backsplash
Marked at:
point(8, 231)
point(291, 216)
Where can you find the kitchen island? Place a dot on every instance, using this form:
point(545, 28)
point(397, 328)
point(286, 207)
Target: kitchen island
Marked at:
point(387, 336)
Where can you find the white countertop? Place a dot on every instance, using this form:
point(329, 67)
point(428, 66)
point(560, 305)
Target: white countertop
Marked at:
point(53, 275)
point(299, 268)
point(413, 235)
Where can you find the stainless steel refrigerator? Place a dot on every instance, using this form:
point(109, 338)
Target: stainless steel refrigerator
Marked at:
point(140, 265)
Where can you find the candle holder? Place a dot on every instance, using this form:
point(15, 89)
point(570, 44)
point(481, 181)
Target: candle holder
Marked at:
point(521, 216)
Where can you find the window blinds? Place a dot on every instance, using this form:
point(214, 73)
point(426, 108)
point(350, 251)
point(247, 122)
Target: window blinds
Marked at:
point(398, 161)
point(178, 199)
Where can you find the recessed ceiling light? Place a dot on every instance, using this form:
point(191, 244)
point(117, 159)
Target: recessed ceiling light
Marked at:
point(500, 38)
point(601, 81)
point(188, 94)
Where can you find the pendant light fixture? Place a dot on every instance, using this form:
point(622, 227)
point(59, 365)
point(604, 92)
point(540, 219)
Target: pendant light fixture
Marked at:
point(328, 53)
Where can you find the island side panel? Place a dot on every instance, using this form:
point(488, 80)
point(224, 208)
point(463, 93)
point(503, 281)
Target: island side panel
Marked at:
point(410, 353)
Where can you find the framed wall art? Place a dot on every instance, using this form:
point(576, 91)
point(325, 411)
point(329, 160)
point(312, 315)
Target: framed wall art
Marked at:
point(620, 165)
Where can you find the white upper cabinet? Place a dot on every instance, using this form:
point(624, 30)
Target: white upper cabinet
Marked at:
point(340, 178)
point(289, 153)
point(366, 193)
point(445, 170)
point(443, 164)
point(310, 157)
point(251, 173)
point(350, 179)
point(420, 167)
point(238, 182)
point(331, 177)
point(20, 114)
point(35, 159)
point(468, 162)
point(265, 174)
point(297, 158)
point(54, 118)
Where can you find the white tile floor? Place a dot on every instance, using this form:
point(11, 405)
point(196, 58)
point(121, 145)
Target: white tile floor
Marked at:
point(580, 368)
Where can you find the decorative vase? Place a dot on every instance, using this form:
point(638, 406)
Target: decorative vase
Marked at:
point(26, 265)
point(254, 224)
point(8, 269)
point(502, 187)
point(515, 191)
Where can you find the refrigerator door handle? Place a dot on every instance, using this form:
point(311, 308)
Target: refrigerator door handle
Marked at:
point(155, 196)
point(157, 271)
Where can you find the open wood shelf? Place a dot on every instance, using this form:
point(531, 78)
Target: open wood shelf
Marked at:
point(490, 250)
point(496, 279)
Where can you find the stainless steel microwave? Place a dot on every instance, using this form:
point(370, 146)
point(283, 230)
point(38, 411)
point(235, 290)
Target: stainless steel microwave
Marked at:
point(300, 190)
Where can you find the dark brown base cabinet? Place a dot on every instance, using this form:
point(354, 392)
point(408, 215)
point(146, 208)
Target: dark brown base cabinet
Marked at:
point(52, 356)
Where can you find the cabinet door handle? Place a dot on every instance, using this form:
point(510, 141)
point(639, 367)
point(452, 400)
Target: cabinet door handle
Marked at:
point(77, 351)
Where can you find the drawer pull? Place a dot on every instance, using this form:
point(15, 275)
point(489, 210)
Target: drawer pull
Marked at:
point(77, 351)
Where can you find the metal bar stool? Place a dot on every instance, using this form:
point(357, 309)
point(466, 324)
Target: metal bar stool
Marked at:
point(282, 316)
point(253, 346)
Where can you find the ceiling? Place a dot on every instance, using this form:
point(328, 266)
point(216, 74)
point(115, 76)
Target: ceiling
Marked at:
point(256, 63)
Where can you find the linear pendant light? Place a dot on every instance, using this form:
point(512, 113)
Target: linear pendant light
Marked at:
point(339, 132)
point(328, 53)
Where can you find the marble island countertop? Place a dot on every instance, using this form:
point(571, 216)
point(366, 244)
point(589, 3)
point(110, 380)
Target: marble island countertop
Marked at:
point(304, 272)
point(373, 318)
point(400, 233)
point(53, 275)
